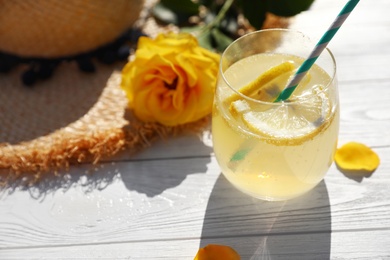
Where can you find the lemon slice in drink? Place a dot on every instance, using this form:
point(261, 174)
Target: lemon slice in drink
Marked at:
point(287, 122)
point(290, 122)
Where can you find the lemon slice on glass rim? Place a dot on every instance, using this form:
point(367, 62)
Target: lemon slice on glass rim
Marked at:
point(285, 123)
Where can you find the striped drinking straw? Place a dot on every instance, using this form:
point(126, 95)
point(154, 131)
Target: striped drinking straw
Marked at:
point(321, 45)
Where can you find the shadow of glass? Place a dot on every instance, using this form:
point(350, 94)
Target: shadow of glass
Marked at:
point(256, 229)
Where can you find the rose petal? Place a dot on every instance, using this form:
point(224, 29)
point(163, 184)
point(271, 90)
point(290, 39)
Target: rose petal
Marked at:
point(356, 157)
point(217, 252)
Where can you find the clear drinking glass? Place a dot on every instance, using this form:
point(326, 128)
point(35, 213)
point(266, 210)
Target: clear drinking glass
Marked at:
point(275, 150)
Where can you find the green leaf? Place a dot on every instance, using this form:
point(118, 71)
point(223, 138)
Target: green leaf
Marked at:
point(175, 11)
point(255, 11)
point(181, 6)
point(207, 3)
point(288, 8)
point(221, 40)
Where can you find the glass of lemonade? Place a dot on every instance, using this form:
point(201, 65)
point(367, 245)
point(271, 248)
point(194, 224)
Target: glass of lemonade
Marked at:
point(274, 150)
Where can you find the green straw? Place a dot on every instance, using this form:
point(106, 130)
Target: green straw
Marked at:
point(316, 52)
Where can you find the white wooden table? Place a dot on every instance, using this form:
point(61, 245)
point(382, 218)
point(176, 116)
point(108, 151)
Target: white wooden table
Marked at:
point(171, 199)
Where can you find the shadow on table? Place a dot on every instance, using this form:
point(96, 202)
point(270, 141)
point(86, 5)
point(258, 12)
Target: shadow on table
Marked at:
point(296, 229)
point(86, 177)
point(137, 172)
point(142, 178)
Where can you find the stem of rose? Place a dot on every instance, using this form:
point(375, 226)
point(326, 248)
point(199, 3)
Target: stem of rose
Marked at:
point(221, 14)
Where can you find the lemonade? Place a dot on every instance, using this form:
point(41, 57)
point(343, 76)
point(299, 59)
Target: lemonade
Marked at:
point(274, 151)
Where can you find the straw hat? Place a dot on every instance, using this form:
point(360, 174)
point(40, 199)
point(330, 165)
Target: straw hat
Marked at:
point(51, 28)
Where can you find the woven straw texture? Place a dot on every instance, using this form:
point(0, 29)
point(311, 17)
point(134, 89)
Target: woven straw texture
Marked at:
point(56, 28)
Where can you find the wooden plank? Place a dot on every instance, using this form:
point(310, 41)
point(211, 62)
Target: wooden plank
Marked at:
point(336, 245)
point(367, 14)
point(114, 201)
point(362, 45)
point(364, 112)
point(177, 199)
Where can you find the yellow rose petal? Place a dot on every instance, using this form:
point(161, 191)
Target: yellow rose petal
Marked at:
point(356, 157)
point(217, 252)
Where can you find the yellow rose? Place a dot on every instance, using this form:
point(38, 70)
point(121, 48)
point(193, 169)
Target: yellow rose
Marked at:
point(171, 79)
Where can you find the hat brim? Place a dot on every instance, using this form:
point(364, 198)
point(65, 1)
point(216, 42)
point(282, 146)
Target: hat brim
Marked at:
point(72, 118)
